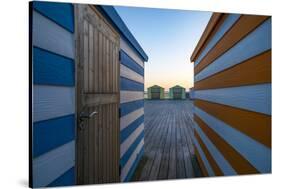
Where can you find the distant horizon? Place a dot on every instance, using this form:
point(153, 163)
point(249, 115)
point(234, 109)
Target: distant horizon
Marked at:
point(165, 36)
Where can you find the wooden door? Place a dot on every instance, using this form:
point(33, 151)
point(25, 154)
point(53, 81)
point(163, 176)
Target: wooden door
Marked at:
point(97, 98)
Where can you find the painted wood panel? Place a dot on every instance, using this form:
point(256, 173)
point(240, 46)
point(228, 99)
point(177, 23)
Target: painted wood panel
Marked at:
point(224, 165)
point(51, 133)
point(131, 161)
point(131, 52)
point(67, 179)
point(128, 107)
point(129, 118)
point(52, 69)
point(255, 98)
point(125, 145)
point(255, 125)
point(256, 70)
point(48, 35)
point(241, 28)
point(130, 63)
point(237, 161)
point(256, 42)
point(223, 28)
point(50, 166)
point(129, 96)
point(60, 13)
point(130, 74)
point(125, 133)
point(52, 101)
point(256, 153)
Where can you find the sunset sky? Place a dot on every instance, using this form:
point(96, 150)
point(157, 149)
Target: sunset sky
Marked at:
point(168, 37)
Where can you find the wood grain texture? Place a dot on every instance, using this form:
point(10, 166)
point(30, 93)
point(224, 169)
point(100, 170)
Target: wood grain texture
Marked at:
point(98, 90)
point(255, 70)
point(255, 125)
point(240, 29)
point(237, 161)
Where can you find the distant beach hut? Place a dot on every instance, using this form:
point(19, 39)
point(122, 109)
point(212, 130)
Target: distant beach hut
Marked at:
point(155, 92)
point(177, 92)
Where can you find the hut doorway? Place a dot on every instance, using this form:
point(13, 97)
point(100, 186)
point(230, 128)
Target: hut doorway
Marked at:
point(97, 100)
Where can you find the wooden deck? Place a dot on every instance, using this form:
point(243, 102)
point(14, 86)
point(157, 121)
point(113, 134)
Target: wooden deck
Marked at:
point(168, 150)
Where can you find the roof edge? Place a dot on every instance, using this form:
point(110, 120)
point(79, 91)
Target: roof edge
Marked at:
point(207, 32)
point(114, 17)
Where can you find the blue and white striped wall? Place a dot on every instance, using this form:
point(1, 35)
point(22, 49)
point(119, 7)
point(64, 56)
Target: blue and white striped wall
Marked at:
point(132, 110)
point(53, 94)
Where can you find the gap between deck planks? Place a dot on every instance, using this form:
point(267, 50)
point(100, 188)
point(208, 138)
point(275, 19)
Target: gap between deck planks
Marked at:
point(168, 148)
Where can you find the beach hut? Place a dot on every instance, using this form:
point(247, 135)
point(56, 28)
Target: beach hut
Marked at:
point(155, 92)
point(232, 92)
point(87, 94)
point(177, 92)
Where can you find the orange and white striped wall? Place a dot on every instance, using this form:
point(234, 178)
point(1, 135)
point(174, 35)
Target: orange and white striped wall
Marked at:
point(232, 95)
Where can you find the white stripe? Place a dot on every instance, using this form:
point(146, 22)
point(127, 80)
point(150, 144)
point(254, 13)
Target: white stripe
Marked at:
point(130, 74)
point(219, 158)
point(52, 101)
point(129, 118)
point(203, 157)
point(50, 166)
point(256, 153)
point(255, 98)
point(253, 44)
point(50, 36)
point(129, 96)
point(125, 47)
point(131, 139)
point(131, 161)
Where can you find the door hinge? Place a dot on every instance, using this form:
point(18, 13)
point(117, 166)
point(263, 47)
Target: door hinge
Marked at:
point(119, 170)
point(119, 54)
point(119, 112)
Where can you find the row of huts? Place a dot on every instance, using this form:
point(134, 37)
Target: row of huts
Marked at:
point(157, 92)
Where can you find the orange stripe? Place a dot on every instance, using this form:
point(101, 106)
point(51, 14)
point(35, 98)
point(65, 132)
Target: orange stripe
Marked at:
point(253, 124)
point(201, 164)
point(237, 161)
point(214, 22)
point(210, 158)
point(253, 71)
point(240, 29)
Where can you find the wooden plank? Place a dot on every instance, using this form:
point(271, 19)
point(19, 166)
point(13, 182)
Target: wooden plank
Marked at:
point(46, 34)
point(125, 47)
point(95, 99)
point(131, 74)
point(255, 70)
point(243, 27)
point(255, 125)
point(129, 96)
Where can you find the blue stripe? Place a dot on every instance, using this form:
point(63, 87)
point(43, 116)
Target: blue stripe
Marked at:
point(67, 179)
point(113, 17)
point(226, 25)
point(130, 85)
point(255, 98)
point(61, 13)
point(128, 107)
point(130, 63)
point(131, 149)
point(256, 153)
point(52, 133)
point(125, 133)
point(134, 166)
point(253, 44)
point(52, 69)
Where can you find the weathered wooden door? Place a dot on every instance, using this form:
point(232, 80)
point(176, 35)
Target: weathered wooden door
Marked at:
point(97, 57)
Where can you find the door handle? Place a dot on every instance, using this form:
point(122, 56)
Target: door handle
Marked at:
point(87, 116)
point(84, 116)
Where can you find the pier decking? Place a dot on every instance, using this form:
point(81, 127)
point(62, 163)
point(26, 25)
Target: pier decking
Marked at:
point(168, 150)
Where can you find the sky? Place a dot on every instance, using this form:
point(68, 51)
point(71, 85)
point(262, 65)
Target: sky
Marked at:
point(168, 37)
